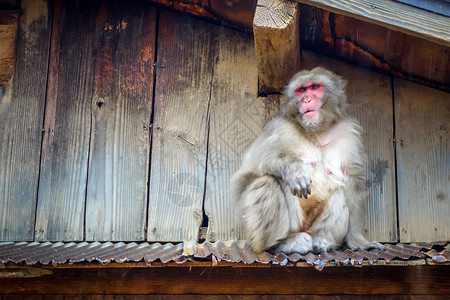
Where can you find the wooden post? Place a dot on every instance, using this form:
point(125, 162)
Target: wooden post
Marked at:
point(277, 42)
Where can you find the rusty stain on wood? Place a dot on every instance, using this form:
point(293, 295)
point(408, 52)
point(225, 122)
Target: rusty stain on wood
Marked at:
point(9, 24)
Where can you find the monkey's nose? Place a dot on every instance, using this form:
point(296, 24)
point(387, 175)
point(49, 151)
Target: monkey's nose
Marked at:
point(307, 99)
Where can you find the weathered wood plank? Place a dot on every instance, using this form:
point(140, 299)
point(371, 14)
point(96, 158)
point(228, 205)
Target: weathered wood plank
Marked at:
point(116, 201)
point(64, 163)
point(422, 127)
point(182, 95)
point(237, 118)
point(370, 99)
point(277, 42)
point(21, 119)
point(393, 15)
point(9, 24)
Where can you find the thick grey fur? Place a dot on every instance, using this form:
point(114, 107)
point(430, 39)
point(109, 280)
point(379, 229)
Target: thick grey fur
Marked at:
point(273, 174)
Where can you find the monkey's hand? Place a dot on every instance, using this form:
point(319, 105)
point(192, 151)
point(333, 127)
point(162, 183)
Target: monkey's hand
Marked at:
point(297, 178)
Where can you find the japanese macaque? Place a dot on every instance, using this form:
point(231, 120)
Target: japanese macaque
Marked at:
point(301, 185)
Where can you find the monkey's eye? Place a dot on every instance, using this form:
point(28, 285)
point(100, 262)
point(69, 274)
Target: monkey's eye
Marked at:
point(316, 86)
point(301, 89)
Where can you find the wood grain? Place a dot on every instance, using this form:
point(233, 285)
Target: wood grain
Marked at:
point(423, 167)
point(21, 119)
point(116, 201)
point(182, 95)
point(374, 280)
point(370, 98)
point(277, 43)
point(64, 163)
point(393, 15)
point(237, 118)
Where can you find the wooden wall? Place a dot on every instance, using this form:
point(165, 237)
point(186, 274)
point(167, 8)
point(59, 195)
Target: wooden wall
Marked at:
point(125, 122)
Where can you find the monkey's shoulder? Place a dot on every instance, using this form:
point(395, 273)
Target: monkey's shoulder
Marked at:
point(280, 129)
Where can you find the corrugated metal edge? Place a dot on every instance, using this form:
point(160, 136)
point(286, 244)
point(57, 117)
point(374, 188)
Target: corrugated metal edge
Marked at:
point(57, 253)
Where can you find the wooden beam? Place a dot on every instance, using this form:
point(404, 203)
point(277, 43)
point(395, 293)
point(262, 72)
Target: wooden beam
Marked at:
point(277, 42)
point(397, 16)
point(9, 23)
point(387, 280)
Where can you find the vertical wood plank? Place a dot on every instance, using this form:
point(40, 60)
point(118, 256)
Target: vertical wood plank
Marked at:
point(62, 185)
point(182, 94)
point(423, 164)
point(21, 119)
point(237, 118)
point(121, 109)
point(370, 102)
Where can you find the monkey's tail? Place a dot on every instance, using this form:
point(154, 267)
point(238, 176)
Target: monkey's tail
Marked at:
point(264, 211)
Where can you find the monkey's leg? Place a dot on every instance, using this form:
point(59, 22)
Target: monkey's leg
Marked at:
point(354, 239)
point(266, 212)
point(300, 242)
point(331, 226)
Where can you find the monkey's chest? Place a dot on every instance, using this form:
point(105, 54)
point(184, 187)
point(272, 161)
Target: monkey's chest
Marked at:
point(324, 183)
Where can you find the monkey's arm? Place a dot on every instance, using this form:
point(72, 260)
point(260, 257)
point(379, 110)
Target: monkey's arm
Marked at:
point(278, 158)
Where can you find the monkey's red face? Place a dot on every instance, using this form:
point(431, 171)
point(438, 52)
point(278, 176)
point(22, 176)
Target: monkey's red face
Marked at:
point(309, 104)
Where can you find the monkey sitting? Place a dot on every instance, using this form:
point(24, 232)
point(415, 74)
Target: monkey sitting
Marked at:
point(300, 187)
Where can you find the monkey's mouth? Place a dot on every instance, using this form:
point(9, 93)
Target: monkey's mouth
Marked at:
point(310, 113)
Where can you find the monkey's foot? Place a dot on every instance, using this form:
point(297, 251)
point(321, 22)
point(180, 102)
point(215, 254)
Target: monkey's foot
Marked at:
point(320, 244)
point(299, 242)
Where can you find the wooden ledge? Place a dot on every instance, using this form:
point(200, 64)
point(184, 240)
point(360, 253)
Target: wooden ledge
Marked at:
point(204, 280)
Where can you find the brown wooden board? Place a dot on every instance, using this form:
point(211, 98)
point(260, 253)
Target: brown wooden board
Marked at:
point(225, 297)
point(68, 121)
point(375, 280)
point(21, 119)
point(422, 125)
point(237, 118)
point(370, 99)
point(123, 60)
point(182, 95)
